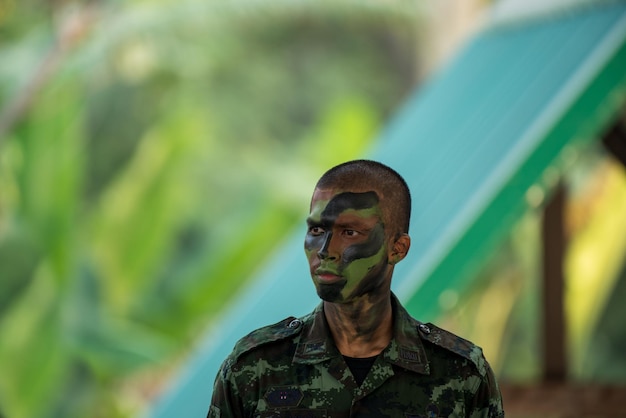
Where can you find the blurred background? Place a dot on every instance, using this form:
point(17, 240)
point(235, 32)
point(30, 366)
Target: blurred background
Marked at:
point(155, 153)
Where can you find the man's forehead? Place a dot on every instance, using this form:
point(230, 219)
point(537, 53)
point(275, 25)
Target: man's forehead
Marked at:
point(331, 204)
point(323, 194)
point(327, 193)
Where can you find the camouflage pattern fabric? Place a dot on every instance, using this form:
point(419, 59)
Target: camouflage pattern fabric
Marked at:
point(293, 369)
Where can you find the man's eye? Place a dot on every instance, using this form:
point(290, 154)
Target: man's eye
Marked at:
point(350, 232)
point(316, 230)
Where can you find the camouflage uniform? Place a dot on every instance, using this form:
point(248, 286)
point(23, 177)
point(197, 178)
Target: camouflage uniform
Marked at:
point(293, 369)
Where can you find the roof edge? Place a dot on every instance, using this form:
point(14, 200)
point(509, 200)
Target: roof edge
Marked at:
point(507, 13)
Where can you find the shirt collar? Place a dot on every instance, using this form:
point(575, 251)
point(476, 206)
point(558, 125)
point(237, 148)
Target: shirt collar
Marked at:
point(405, 349)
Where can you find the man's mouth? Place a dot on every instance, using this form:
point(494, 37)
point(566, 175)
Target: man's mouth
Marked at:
point(325, 276)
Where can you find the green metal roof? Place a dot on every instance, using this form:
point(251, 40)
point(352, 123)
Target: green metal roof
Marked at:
point(470, 143)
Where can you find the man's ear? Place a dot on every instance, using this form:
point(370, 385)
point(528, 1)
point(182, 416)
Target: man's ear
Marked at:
point(400, 249)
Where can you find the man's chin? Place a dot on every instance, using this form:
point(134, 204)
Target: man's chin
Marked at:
point(331, 292)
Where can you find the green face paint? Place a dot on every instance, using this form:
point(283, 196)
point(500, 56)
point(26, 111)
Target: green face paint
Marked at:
point(345, 245)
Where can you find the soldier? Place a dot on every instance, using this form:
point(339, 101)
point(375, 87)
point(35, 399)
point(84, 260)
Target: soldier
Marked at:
point(359, 353)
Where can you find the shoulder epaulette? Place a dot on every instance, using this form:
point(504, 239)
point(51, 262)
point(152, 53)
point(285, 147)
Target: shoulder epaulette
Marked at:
point(455, 344)
point(278, 331)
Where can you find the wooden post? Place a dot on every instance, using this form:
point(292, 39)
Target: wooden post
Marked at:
point(614, 141)
point(554, 244)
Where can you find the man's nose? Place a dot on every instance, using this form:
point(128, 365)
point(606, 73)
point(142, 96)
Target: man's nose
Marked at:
point(324, 251)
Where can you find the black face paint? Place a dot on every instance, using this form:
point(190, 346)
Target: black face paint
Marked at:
point(331, 292)
point(365, 249)
point(347, 200)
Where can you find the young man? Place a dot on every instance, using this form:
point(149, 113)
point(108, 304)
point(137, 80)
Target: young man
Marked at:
point(359, 353)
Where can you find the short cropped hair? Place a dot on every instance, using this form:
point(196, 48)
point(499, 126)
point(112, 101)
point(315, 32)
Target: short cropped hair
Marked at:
point(371, 175)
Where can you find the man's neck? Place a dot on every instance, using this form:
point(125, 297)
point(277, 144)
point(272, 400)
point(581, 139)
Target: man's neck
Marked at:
point(362, 328)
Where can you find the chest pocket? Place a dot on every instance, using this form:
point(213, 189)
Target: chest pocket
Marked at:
point(294, 413)
point(433, 411)
point(284, 402)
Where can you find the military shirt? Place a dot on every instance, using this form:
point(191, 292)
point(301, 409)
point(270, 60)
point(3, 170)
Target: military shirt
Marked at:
point(293, 369)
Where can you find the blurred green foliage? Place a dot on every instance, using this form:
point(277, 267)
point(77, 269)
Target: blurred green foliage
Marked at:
point(152, 154)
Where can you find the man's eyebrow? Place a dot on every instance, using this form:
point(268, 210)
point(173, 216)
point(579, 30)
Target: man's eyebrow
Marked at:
point(353, 223)
point(313, 222)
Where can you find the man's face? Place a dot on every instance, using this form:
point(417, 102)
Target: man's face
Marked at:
point(346, 244)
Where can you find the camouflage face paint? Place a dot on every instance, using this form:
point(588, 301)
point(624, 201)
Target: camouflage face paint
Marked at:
point(345, 244)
